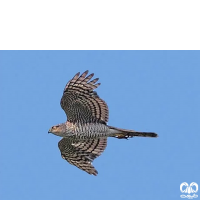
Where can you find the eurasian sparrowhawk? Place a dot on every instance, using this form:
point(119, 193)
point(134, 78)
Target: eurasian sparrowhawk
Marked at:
point(85, 132)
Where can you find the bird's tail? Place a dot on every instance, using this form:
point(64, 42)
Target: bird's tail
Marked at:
point(124, 134)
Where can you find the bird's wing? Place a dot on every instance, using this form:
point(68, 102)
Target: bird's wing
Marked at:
point(81, 103)
point(81, 153)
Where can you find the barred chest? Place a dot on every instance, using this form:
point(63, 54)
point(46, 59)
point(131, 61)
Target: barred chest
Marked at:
point(86, 129)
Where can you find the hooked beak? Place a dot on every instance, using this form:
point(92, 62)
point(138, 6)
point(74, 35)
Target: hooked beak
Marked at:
point(49, 131)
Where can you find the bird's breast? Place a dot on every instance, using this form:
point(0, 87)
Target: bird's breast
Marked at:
point(90, 130)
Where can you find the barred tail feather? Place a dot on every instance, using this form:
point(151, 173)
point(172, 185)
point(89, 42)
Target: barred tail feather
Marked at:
point(123, 133)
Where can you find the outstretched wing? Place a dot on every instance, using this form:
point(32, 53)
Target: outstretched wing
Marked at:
point(81, 103)
point(81, 153)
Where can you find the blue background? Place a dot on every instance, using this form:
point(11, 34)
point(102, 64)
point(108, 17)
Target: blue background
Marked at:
point(145, 90)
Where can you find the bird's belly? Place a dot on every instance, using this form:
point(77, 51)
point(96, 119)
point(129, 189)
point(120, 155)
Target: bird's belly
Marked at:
point(91, 130)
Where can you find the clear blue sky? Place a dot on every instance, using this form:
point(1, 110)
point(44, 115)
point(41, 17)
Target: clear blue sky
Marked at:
point(145, 90)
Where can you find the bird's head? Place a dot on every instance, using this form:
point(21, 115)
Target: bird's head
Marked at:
point(58, 129)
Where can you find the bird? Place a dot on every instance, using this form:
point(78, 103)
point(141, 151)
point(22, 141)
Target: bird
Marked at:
point(84, 134)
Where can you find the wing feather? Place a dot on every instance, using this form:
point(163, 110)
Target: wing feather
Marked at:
point(81, 103)
point(81, 153)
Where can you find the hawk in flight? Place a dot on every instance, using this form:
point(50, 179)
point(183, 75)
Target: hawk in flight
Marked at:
point(85, 132)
